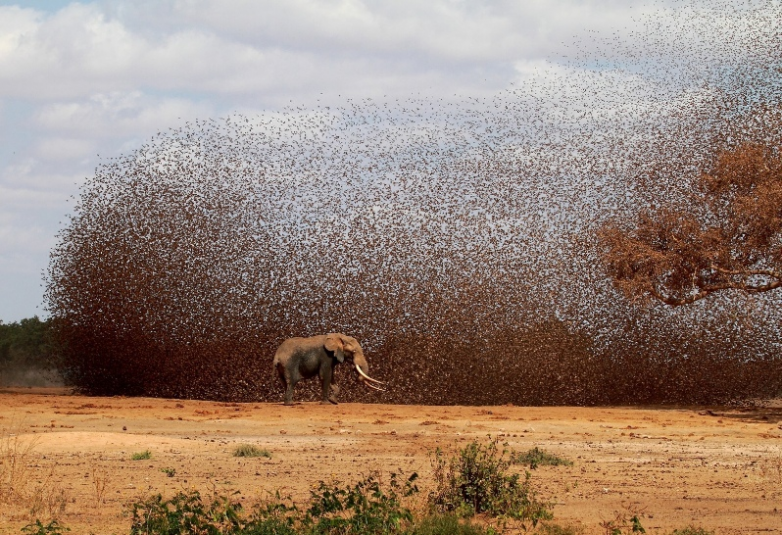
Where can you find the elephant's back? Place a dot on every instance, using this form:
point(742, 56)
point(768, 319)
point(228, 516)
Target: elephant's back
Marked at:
point(298, 343)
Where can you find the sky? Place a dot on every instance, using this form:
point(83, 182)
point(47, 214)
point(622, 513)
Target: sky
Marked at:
point(81, 82)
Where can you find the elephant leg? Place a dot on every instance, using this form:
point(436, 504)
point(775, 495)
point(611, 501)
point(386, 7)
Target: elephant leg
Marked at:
point(325, 377)
point(334, 391)
point(289, 381)
point(289, 394)
point(281, 377)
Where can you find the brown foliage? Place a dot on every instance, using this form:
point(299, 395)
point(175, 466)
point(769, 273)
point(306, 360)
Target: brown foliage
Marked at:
point(730, 238)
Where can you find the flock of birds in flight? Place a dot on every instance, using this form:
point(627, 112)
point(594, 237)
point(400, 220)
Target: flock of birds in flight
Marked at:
point(452, 236)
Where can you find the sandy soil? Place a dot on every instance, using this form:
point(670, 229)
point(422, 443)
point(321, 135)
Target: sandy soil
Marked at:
point(716, 468)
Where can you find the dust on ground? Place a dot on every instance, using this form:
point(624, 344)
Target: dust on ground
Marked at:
point(719, 469)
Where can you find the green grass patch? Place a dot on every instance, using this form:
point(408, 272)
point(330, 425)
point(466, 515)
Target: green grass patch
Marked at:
point(141, 455)
point(449, 524)
point(250, 450)
point(537, 457)
point(557, 529)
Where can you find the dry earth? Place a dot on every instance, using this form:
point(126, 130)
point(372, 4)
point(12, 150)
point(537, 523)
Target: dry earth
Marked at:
point(720, 469)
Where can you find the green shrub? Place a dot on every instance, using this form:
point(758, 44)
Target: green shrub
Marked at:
point(537, 457)
point(183, 514)
point(366, 508)
point(448, 524)
point(476, 481)
point(620, 523)
point(690, 530)
point(141, 455)
point(52, 528)
point(269, 526)
point(276, 517)
point(250, 450)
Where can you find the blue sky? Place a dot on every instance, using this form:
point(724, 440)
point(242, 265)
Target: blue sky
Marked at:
point(78, 80)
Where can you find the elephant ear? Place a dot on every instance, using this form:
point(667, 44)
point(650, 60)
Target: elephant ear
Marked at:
point(333, 344)
point(350, 344)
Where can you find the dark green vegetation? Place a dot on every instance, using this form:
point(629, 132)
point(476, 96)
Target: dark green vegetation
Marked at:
point(537, 457)
point(39, 528)
point(28, 356)
point(368, 507)
point(692, 531)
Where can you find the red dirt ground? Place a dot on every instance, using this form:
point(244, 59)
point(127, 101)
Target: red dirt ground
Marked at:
point(718, 469)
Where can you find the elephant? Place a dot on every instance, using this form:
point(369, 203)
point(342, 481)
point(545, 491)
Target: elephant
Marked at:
point(301, 358)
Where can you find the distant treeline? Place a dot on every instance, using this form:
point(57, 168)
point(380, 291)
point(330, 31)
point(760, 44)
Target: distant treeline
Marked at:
point(27, 353)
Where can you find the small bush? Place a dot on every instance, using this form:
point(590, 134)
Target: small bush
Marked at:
point(52, 528)
point(476, 481)
point(537, 457)
point(366, 508)
point(184, 513)
point(690, 530)
point(448, 524)
point(618, 525)
point(141, 455)
point(250, 450)
point(268, 526)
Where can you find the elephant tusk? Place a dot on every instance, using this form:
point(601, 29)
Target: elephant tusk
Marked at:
point(365, 376)
point(370, 385)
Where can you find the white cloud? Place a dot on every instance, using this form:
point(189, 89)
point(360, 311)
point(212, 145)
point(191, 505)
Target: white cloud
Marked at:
point(16, 25)
point(32, 183)
point(446, 30)
point(235, 46)
point(23, 238)
point(62, 148)
point(78, 51)
point(118, 114)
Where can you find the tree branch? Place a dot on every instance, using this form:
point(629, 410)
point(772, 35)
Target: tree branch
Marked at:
point(706, 290)
point(748, 272)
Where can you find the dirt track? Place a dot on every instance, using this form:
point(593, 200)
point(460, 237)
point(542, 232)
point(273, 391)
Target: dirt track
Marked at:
point(717, 469)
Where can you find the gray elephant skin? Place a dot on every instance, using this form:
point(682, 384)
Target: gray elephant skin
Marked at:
point(302, 358)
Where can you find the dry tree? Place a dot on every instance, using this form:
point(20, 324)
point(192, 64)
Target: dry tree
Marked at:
point(730, 238)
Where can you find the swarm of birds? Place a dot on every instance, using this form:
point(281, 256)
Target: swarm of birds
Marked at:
point(453, 237)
